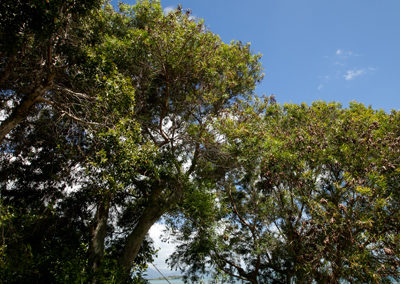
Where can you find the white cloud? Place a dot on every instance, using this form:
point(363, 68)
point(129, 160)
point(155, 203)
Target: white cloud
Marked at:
point(351, 74)
point(345, 53)
point(165, 248)
point(343, 67)
point(338, 63)
point(168, 10)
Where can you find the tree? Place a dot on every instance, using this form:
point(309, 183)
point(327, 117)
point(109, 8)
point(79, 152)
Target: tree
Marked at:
point(185, 76)
point(85, 99)
point(311, 195)
point(131, 119)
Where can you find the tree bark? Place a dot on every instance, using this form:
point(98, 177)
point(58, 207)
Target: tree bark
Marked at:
point(253, 280)
point(155, 208)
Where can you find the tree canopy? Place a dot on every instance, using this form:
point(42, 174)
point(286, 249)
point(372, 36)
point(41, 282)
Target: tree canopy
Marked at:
point(114, 118)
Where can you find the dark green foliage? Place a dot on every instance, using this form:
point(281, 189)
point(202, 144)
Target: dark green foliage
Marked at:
point(44, 235)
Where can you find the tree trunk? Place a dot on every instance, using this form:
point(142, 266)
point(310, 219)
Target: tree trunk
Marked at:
point(98, 234)
point(21, 111)
point(253, 280)
point(153, 211)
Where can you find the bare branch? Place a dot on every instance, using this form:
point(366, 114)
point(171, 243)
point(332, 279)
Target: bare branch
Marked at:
point(76, 94)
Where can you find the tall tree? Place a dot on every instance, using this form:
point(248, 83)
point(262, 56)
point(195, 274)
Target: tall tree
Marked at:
point(135, 111)
point(311, 195)
point(185, 76)
point(85, 98)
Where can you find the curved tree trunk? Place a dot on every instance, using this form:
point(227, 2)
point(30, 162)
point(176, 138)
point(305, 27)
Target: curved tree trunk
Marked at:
point(153, 211)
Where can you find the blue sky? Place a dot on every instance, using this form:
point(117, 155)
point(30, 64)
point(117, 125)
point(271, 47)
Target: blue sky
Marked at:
point(332, 50)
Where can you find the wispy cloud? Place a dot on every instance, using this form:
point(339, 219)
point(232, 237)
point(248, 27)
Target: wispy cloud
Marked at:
point(171, 9)
point(345, 64)
point(338, 63)
point(345, 53)
point(168, 10)
point(351, 74)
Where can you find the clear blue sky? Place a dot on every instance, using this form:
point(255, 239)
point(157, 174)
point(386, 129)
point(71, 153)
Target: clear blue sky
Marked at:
point(341, 50)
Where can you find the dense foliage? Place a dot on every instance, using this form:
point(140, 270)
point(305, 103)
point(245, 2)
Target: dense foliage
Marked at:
point(111, 120)
point(310, 194)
